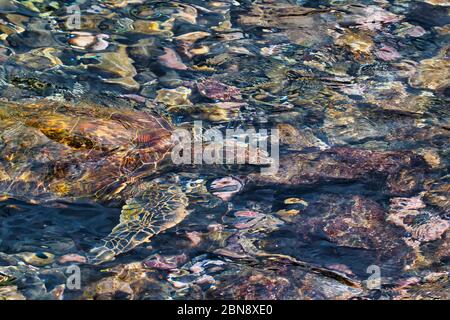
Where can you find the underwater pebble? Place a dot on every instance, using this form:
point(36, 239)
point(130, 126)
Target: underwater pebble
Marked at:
point(373, 17)
point(216, 90)
point(387, 53)
point(415, 31)
point(174, 97)
point(11, 293)
point(295, 201)
point(438, 2)
point(38, 259)
point(205, 279)
point(247, 214)
point(408, 282)
point(73, 257)
point(171, 60)
point(215, 227)
point(432, 73)
point(341, 268)
point(195, 237)
point(226, 188)
point(192, 36)
point(135, 97)
point(197, 268)
point(244, 225)
point(288, 213)
point(86, 40)
point(436, 276)
point(165, 262)
point(431, 231)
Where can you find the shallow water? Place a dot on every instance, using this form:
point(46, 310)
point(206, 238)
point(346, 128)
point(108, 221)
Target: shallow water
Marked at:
point(357, 89)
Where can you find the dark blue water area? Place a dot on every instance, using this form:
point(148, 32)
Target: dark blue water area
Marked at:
point(59, 227)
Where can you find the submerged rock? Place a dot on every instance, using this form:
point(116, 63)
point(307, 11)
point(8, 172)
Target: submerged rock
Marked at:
point(38, 259)
point(343, 164)
point(393, 97)
point(39, 59)
point(174, 97)
point(171, 60)
point(432, 74)
point(88, 41)
point(10, 293)
point(421, 224)
point(225, 188)
point(117, 64)
point(298, 24)
point(297, 139)
point(438, 194)
point(438, 2)
point(358, 223)
point(121, 3)
point(72, 258)
point(131, 281)
point(166, 262)
point(216, 90)
point(387, 53)
point(431, 286)
point(359, 44)
point(286, 282)
point(373, 17)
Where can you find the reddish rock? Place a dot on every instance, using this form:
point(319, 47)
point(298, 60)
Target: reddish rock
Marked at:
point(349, 164)
point(72, 258)
point(195, 237)
point(171, 60)
point(387, 53)
point(216, 90)
point(165, 263)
